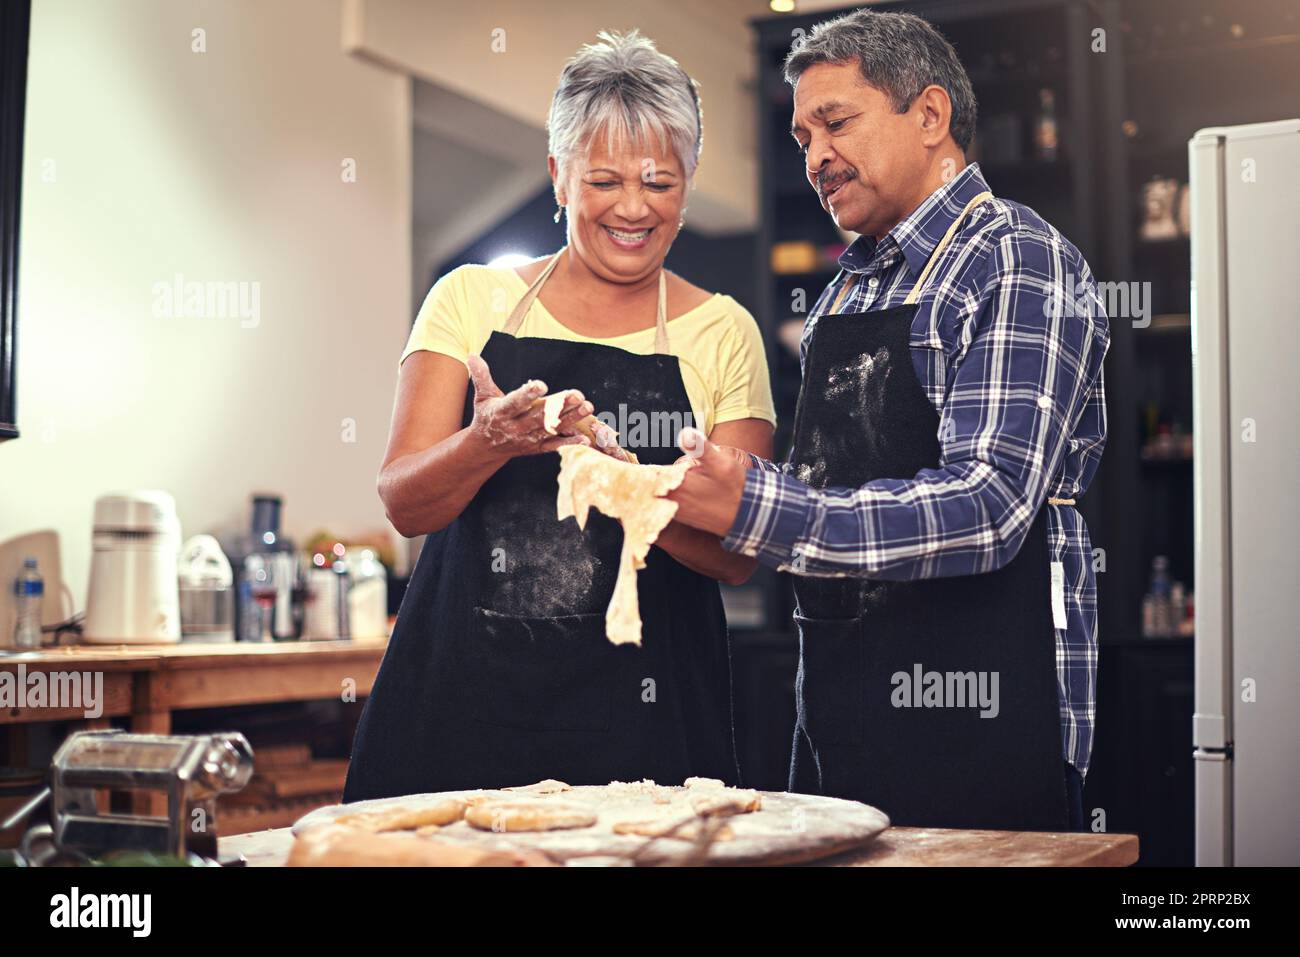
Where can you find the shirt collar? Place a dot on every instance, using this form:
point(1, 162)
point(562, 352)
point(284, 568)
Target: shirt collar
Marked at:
point(919, 232)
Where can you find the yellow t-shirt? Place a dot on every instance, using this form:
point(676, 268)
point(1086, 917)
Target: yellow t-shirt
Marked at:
point(717, 344)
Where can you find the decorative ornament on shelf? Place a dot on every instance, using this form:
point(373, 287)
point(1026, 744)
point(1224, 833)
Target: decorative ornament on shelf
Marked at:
point(1159, 197)
point(332, 546)
point(1185, 210)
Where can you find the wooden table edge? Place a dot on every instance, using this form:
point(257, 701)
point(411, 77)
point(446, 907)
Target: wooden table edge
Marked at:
point(1114, 850)
point(189, 655)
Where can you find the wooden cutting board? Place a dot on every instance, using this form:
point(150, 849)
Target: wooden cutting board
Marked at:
point(789, 829)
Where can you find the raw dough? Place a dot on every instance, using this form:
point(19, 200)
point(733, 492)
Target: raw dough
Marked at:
point(406, 818)
point(777, 831)
point(703, 783)
point(631, 494)
point(549, 786)
point(553, 405)
point(528, 816)
point(355, 847)
point(713, 802)
point(636, 790)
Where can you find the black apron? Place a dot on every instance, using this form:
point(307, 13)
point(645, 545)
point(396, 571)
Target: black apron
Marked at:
point(498, 672)
point(862, 416)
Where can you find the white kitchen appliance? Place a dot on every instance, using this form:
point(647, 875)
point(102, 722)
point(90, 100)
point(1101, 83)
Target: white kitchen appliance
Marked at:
point(1245, 207)
point(207, 594)
point(133, 596)
point(367, 594)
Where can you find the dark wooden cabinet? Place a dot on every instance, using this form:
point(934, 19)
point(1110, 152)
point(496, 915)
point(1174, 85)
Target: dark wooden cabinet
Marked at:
point(763, 666)
point(1141, 773)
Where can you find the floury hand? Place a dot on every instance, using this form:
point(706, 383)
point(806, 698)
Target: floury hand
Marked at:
point(511, 425)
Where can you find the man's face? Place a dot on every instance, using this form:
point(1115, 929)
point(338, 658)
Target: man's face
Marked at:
point(864, 160)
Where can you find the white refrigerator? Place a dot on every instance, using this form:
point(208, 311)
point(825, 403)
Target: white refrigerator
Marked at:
point(1245, 215)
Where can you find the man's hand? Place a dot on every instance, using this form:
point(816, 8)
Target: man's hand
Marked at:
point(709, 495)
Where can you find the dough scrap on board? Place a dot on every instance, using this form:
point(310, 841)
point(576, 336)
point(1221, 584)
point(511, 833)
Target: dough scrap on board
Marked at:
point(528, 816)
point(631, 494)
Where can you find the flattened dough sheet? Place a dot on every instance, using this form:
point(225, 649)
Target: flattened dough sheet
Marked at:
point(629, 493)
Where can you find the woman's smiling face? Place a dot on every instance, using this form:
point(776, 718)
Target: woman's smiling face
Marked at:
point(624, 207)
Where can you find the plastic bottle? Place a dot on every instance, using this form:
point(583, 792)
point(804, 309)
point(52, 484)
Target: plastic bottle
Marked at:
point(29, 589)
point(1160, 591)
point(1177, 608)
point(1045, 139)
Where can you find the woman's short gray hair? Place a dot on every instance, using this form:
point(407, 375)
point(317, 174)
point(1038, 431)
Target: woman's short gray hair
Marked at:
point(626, 87)
point(899, 54)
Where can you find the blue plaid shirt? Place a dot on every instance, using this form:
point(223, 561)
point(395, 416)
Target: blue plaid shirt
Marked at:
point(1007, 342)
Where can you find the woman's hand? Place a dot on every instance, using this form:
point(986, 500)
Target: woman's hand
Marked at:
point(740, 455)
point(607, 441)
point(510, 425)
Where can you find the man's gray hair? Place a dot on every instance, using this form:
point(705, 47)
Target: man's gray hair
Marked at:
point(626, 87)
point(899, 54)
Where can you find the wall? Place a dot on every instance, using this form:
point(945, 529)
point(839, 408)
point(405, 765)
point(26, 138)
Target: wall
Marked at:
point(507, 56)
point(144, 160)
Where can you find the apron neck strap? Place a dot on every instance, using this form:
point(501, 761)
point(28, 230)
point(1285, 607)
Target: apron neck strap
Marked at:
point(929, 263)
point(516, 319)
point(523, 305)
point(934, 256)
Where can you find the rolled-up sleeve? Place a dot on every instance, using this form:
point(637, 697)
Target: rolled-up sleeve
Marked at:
point(1011, 402)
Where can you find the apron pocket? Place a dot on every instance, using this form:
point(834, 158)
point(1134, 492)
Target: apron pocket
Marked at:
point(829, 687)
point(539, 674)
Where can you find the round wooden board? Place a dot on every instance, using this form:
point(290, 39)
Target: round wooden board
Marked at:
point(788, 829)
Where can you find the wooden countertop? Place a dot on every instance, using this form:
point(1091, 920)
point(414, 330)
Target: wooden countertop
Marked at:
point(148, 681)
point(145, 684)
point(186, 654)
point(897, 847)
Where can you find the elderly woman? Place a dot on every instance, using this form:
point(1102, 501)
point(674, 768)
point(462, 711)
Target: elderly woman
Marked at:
point(498, 672)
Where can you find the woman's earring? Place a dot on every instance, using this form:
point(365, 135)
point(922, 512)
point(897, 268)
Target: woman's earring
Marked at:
point(558, 211)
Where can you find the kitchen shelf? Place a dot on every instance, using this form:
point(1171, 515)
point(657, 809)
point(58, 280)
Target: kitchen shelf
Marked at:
point(1159, 244)
point(1027, 167)
point(152, 687)
point(823, 274)
point(277, 796)
point(1196, 55)
point(246, 818)
point(1136, 640)
point(1176, 464)
point(1167, 324)
point(984, 79)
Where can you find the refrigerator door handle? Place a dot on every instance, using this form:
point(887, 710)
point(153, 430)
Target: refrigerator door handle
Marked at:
point(1211, 427)
point(1210, 732)
point(1213, 773)
point(1212, 720)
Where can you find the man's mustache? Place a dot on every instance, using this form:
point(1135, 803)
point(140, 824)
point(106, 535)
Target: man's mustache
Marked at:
point(828, 181)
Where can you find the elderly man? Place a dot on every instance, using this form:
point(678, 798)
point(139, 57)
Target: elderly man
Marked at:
point(952, 412)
